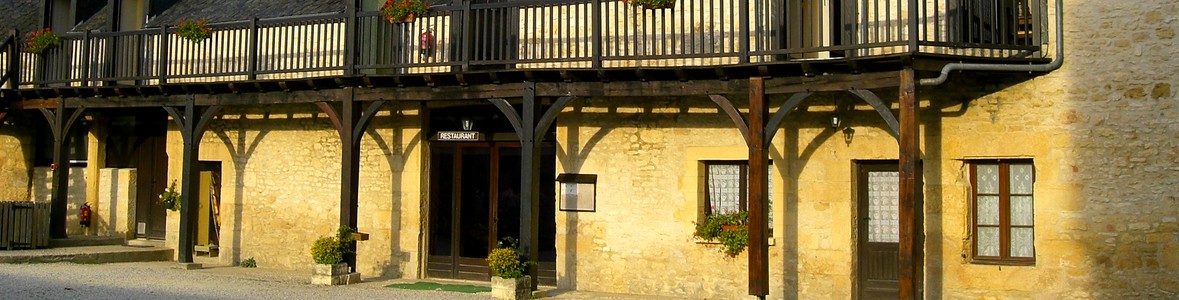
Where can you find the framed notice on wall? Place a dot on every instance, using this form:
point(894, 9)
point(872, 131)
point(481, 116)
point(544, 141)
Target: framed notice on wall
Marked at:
point(578, 192)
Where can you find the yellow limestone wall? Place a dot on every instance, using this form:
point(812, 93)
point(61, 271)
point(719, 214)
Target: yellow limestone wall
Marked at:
point(16, 159)
point(1101, 132)
point(281, 186)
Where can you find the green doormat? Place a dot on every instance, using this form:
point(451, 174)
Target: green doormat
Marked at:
point(431, 286)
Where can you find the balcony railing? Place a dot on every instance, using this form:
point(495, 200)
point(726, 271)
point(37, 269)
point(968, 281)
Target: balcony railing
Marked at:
point(539, 34)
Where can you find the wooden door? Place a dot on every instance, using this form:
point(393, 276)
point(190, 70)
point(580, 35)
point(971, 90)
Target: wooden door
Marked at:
point(474, 202)
point(139, 140)
point(877, 230)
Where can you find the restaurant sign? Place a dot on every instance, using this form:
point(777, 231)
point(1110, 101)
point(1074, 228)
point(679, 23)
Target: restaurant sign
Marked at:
point(458, 136)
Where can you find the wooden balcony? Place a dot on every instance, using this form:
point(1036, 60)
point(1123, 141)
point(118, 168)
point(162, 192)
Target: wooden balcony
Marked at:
point(537, 41)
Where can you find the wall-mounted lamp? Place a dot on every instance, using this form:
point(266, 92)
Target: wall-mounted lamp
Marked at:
point(834, 121)
point(467, 123)
point(848, 133)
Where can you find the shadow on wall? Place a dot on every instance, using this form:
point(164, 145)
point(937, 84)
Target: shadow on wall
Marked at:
point(241, 151)
point(395, 155)
point(571, 158)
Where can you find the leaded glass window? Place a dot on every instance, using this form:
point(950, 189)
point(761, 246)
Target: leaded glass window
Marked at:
point(1002, 211)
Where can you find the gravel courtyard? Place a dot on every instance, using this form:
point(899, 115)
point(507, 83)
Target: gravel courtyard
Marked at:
point(159, 280)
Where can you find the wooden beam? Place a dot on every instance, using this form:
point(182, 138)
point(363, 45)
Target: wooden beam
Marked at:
point(192, 123)
point(60, 126)
point(780, 115)
point(881, 109)
point(350, 123)
point(531, 131)
point(909, 152)
point(731, 111)
point(759, 266)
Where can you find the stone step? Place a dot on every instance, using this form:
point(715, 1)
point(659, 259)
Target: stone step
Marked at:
point(88, 255)
point(81, 241)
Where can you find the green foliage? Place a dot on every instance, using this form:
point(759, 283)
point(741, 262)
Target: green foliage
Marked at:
point(728, 229)
point(249, 263)
point(326, 250)
point(171, 198)
point(194, 31)
point(396, 10)
point(504, 261)
point(344, 236)
point(331, 250)
point(651, 4)
point(38, 41)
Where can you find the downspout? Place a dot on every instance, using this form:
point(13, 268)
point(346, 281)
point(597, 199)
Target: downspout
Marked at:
point(1056, 62)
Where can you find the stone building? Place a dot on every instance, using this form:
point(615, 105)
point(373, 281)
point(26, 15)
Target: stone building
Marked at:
point(1054, 183)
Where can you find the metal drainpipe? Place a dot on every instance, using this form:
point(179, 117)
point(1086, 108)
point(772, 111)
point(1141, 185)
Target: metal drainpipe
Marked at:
point(1055, 64)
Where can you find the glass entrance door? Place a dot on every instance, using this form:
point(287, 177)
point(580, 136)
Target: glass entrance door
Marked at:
point(475, 202)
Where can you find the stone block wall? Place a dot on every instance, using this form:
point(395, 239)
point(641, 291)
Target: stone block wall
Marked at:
point(42, 191)
point(1100, 132)
point(16, 158)
point(114, 211)
point(281, 186)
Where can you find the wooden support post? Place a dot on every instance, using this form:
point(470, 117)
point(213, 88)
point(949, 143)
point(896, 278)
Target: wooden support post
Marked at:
point(756, 139)
point(531, 131)
point(908, 193)
point(59, 125)
point(192, 123)
point(759, 266)
point(350, 122)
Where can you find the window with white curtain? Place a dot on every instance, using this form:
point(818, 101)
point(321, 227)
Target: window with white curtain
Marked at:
point(1002, 210)
point(727, 188)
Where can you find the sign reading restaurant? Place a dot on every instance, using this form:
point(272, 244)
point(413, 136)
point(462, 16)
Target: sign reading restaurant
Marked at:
point(458, 136)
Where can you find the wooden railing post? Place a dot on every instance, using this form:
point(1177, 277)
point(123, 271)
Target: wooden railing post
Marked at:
point(14, 61)
point(743, 34)
point(913, 26)
point(350, 23)
point(467, 38)
point(597, 38)
point(163, 57)
point(85, 58)
point(253, 54)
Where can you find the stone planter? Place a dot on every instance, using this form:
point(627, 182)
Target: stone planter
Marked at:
point(511, 289)
point(336, 274)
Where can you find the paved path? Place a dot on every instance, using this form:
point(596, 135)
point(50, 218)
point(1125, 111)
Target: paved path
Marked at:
point(162, 280)
point(159, 280)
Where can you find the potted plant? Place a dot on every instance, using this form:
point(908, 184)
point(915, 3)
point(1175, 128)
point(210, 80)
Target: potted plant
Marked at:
point(171, 198)
point(403, 11)
point(38, 41)
point(193, 31)
point(508, 281)
point(651, 4)
point(328, 255)
point(730, 230)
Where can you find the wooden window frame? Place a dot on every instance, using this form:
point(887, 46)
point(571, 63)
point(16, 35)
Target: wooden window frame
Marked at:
point(743, 202)
point(1004, 212)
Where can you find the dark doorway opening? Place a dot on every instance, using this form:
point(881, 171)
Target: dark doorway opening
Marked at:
point(475, 197)
point(139, 140)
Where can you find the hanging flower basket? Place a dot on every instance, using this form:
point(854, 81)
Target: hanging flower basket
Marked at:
point(651, 4)
point(40, 40)
point(193, 31)
point(170, 198)
point(403, 11)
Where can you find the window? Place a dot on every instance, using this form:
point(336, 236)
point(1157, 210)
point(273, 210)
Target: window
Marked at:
point(726, 188)
point(1002, 211)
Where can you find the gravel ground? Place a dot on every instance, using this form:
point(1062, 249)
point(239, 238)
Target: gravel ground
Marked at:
point(160, 280)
